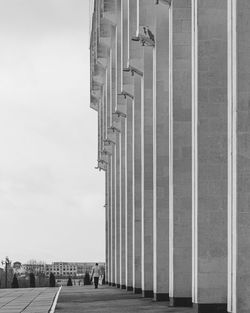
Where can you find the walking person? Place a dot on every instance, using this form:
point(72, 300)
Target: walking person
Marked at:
point(96, 273)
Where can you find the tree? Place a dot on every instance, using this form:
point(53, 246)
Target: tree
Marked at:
point(87, 279)
point(32, 280)
point(14, 283)
point(69, 283)
point(42, 280)
point(52, 280)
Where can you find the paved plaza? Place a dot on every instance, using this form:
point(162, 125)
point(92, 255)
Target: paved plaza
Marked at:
point(28, 300)
point(109, 300)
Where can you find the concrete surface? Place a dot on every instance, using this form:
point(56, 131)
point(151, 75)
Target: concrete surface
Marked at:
point(28, 300)
point(108, 299)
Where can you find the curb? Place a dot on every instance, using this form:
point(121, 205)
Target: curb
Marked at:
point(53, 306)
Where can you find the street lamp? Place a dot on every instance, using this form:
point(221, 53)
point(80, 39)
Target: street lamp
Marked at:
point(6, 262)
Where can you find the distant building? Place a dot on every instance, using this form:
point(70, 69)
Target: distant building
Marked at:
point(73, 269)
point(61, 269)
point(36, 268)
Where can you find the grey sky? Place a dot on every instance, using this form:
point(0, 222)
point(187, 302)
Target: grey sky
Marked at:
point(51, 198)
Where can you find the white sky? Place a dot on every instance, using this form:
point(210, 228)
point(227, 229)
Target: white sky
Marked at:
point(51, 197)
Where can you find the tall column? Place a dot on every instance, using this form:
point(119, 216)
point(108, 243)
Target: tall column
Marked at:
point(124, 42)
point(123, 152)
point(110, 221)
point(137, 186)
point(118, 160)
point(209, 105)
point(238, 156)
point(109, 121)
point(145, 30)
point(134, 62)
point(130, 195)
point(161, 154)
point(118, 209)
point(180, 217)
point(107, 225)
point(147, 173)
point(113, 216)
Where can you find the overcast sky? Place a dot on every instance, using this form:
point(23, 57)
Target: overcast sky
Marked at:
point(51, 197)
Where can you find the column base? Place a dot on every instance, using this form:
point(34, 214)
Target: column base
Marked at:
point(147, 293)
point(129, 288)
point(113, 284)
point(118, 285)
point(210, 307)
point(137, 290)
point(123, 286)
point(180, 302)
point(161, 297)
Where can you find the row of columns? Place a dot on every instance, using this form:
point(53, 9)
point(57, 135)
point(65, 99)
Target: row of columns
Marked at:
point(170, 82)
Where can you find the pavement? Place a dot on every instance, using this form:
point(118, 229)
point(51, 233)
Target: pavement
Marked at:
point(109, 300)
point(27, 300)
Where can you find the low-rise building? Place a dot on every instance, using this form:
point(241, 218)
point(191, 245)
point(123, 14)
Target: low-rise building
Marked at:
point(36, 268)
point(61, 269)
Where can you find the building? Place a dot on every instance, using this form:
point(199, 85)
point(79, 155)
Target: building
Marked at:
point(33, 267)
point(61, 269)
point(83, 267)
point(170, 82)
point(65, 269)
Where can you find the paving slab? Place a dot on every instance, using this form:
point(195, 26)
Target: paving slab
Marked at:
point(109, 300)
point(27, 300)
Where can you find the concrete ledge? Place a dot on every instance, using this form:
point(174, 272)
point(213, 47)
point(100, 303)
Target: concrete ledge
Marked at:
point(210, 307)
point(54, 303)
point(137, 290)
point(129, 288)
point(147, 293)
point(123, 287)
point(161, 297)
point(118, 285)
point(180, 302)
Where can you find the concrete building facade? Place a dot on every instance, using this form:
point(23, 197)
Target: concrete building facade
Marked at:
point(170, 83)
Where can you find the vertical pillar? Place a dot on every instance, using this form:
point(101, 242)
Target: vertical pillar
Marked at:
point(110, 175)
point(113, 93)
point(123, 152)
point(134, 79)
point(209, 155)
point(161, 154)
point(106, 225)
point(109, 171)
point(238, 156)
point(113, 216)
point(130, 195)
point(110, 221)
point(124, 42)
point(145, 33)
point(118, 209)
point(118, 160)
point(180, 217)
point(147, 173)
point(137, 186)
